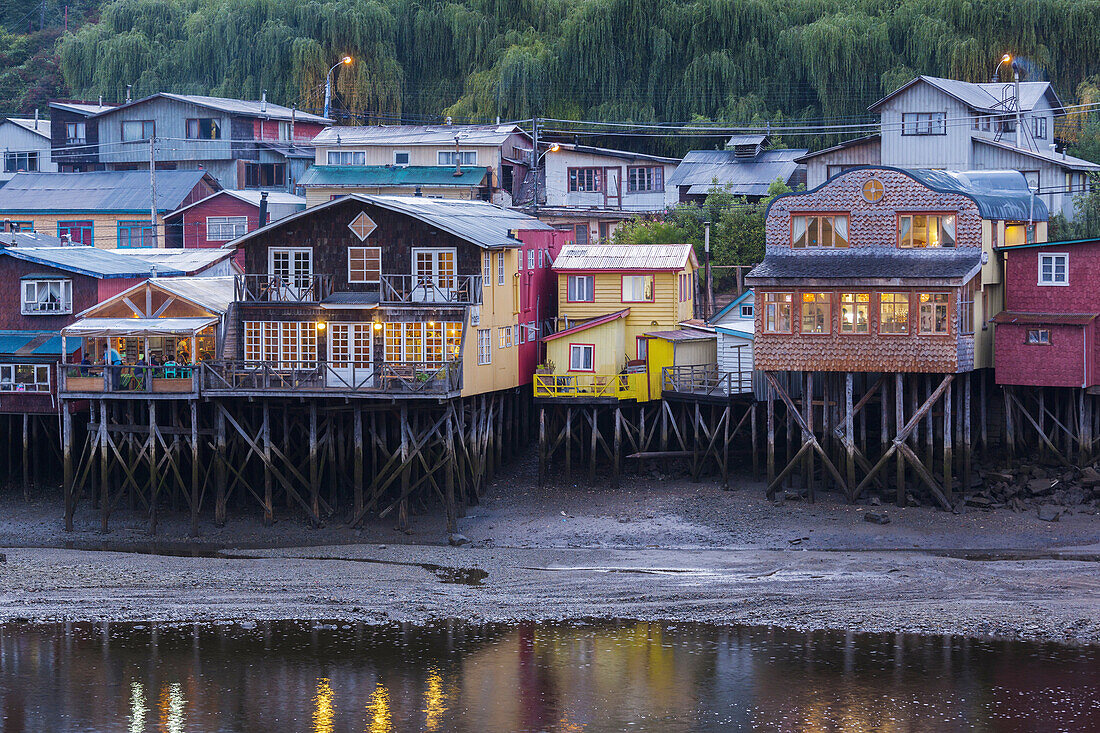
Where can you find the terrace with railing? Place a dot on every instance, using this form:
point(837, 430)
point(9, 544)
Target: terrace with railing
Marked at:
point(97, 380)
point(454, 290)
point(624, 386)
point(282, 289)
point(705, 380)
point(383, 379)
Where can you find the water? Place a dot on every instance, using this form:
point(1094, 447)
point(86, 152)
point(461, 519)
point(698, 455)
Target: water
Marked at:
point(329, 678)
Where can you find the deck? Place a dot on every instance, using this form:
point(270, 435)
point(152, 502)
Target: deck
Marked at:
point(705, 381)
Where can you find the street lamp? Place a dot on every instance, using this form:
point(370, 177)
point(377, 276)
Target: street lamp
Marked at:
point(328, 81)
point(553, 148)
point(1007, 59)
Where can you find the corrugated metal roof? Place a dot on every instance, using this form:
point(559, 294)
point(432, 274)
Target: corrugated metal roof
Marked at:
point(416, 135)
point(856, 141)
point(682, 335)
point(853, 265)
point(624, 257)
point(701, 169)
point(736, 140)
point(41, 127)
point(36, 343)
point(274, 198)
point(11, 342)
point(189, 261)
point(213, 293)
point(591, 323)
point(91, 261)
point(84, 108)
point(613, 153)
point(29, 239)
point(389, 175)
point(97, 191)
point(246, 107)
point(52, 347)
point(1066, 161)
point(998, 194)
point(984, 97)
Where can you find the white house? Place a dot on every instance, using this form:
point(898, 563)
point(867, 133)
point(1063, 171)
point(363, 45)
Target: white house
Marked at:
point(931, 122)
point(734, 325)
point(26, 147)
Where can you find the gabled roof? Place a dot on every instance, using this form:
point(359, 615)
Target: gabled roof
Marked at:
point(242, 107)
point(118, 191)
point(854, 142)
point(592, 323)
point(82, 108)
point(358, 176)
point(700, 169)
point(736, 140)
point(613, 257)
point(29, 239)
point(479, 222)
point(1066, 161)
point(619, 154)
point(189, 261)
point(730, 306)
point(417, 135)
point(213, 294)
point(984, 97)
point(251, 197)
point(38, 127)
point(90, 261)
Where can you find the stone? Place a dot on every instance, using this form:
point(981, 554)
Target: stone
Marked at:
point(876, 518)
point(1038, 486)
point(1090, 476)
point(1050, 513)
point(980, 501)
point(458, 540)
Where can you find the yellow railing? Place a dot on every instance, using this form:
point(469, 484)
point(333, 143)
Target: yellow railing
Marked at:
point(592, 386)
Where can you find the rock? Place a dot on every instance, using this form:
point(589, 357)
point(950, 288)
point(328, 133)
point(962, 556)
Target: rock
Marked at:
point(1050, 513)
point(458, 540)
point(792, 495)
point(1090, 476)
point(1038, 486)
point(875, 501)
point(980, 501)
point(1000, 476)
point(876, 518)
point(3, 557)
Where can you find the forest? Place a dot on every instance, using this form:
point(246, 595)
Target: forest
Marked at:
point(731, 61)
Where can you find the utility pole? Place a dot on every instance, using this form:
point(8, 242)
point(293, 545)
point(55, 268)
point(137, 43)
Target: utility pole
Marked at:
point(153, 189)
point(535, 210)
point(1019, 113)
point(709, 297)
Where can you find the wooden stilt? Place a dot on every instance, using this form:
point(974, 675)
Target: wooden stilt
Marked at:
point(849, 437)
point(26, 475)
point(449, 473)
point(616, 462)
point(1010, 427)
point(770, 406)
point(357, 477)
point(314, 450)
point(406, 471)
point(982, 414)
point(966, 445)
point(542, 446)
point(67, 463)
point(265, 432)
point(221, 473)
point(948, 453)
point(899, 424)
point(154, 474)
point(196, 489)
point(755, 444)
point(568, 446)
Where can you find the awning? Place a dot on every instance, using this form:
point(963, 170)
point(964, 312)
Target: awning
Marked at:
point(137, 326)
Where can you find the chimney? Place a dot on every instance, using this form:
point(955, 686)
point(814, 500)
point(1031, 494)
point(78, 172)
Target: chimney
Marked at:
point(129, 87)
point(7, 225)
point(100, 100)
point(263, 209)
point(153, 272)
point(263, 102)
point(293, 118)
point(417, 191)
point(36, 118)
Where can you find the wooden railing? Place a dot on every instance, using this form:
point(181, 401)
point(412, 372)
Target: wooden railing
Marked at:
point(278, 289)
point(705, 380)
point(457, 289)
point(591, 386)
point(128, 379)
point(407, 378)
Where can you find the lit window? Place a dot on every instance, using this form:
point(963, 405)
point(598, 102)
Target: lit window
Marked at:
point(579, 288)
point(777, 312)
point(47, 297)
point(364, 264)
point(1038, 336)
point(505, 336)
point(926, 230)
point(581, 357)
point(637, 288)
point(1017, 233)
point(225, 228)
point(813, 231)
point(893, 313)
point(816, 313)
point(934, 313)
point(1054, 269)
point(855, 312)
point(873, 190)
point(24, 378)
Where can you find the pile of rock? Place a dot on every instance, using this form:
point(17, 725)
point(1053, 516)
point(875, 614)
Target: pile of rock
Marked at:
point(1054, 490)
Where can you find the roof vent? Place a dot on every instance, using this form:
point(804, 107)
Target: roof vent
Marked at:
point(448, 121)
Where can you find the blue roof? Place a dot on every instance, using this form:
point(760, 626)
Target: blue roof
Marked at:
point(37, 343)
point(734, 332)
point(730, 306)
point(117, 191)
point(91, 261)
point(53, 346)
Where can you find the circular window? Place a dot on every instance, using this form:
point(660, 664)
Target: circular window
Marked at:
point(873, 190)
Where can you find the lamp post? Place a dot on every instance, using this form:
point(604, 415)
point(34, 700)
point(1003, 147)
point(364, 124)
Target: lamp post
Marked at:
point(553, 148)
point(328, 81)
point(1007, 59)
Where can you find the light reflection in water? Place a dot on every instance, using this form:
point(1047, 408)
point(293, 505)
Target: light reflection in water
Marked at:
point(435, 701)
point(137, 707)
point(323, 708)
point(171, 708)
point(381, 719)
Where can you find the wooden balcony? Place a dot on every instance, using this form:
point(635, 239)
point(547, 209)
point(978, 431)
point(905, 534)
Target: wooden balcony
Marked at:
point(705, 380)
point(457, 290)
point(593, 387)
point(77, 381)
point(404, 379)
point(278, 289)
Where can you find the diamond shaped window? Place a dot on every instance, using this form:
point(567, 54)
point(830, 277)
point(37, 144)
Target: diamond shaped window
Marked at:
point(362, 226)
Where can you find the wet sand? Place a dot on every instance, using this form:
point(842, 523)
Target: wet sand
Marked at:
point(657, 549)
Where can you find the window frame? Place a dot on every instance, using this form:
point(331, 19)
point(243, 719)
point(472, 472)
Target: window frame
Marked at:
point(656, 177)
point(652, 288)
point(855, 304)
point(464, 158)
point(908, 312)
point(254, 170)
point(751, 313)
point(573, 179)
point(770, 300)
point(65, 298)
point(505, 337)
point(531, 259)
point(570, 279)
point(366, 257)
point(833, 215)
point(226, 221)
point(12, 160)
point(127, 225)
point(408, 158)
point(484, 346)
point(828, 301)
point(487, 267)
point(500, 267)
point(148, 130)
point(939, 216)
point(591, 348)
point(912, 125)
point(73, 127)
point(1039, 127)
point(1053, 283)
point(82, 225)
point(214, 121)
point(1039, 340)
point(356, 156)
point(36, 370)
point(932, 303)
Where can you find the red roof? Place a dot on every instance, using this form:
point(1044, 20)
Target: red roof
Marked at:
point(1042, 319)
point(589, 324)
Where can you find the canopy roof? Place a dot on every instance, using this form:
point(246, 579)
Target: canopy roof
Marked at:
point(213, 294)
point(87, 327)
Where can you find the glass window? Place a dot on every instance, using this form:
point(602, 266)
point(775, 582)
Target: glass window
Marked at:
point(855, 312)
point(580, 288)
point(1040, 124)
point(78, 232)
point(347, 157)
point(204, 128)
point(926, 230)
point(924, 123)
point(47, 297)
point(264, 175)
point(581, 357)
point(1038, 336)
point(75, 133)
point(819, 230)
point(450, 157)
point(816, 313)
point(364, 264)
point(225, 228)
point(21, 162)
point(637, 288)
point(645, 178)
point(500, 268)
point(24, 378)
point(1054, 269)
point(505, 335)
point(401, 157)
point(777, 312)
point(134, 130)
point(934, 313)
point(484, 346)
point(746, 311)
point(135, 234)
point(893, 313)
point(530, 259)
point(966, 307)
point(487, 267)
point(585, 180)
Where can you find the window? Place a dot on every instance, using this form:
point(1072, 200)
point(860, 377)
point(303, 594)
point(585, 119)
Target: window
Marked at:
point(645, 178)
point(22, 226)
point(450, 157)
point(135, 234)
point(637, 288)
point(642, 348)
point(966, 307)
point(78, 232)
point(817, 314)
point(75, 133)
point(484, 346)
point(580, 234)
point(1038, 336)
point(924, 123)
point(1032, 178)
point(284, 344)
point(855, 312)
point(264, 175)
point(747, 311)
point(819, 230)
point(21, 162)
point(585, 180)
point(777, 312)
point(926, 230)
point(873, 190)
point(500, 268)
point(1040, 127)
point(401, 157)
point(136, 130)
point(580, 288)
point(203, 128)
point(933, 313)
point(582, 357)
point(1054, 269)
point(893, 313)
point(530, 259)
point(364, 264)
point(225, 228)
point(832, 171)
point(24, 378)
point(505, 336)
point(346, 157)
point(487, 267)
point(47, 297)
point(542, 258)
point(1019, 233)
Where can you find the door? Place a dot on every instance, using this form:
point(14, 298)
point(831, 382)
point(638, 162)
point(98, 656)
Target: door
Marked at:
point(434, 275)
point(613, 188)
point(350, 365)
point(291, 270)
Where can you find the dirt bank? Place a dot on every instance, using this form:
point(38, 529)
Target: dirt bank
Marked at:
point(655, 549)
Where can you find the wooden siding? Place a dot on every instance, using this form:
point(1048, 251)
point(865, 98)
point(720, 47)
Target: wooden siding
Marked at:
point(320, 194)
point(84, 156)
point(612, 348)
point(557, 191)
point(951, 150)
point(663, 312)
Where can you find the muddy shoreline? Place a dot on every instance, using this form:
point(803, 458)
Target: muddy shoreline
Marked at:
point(657, 549)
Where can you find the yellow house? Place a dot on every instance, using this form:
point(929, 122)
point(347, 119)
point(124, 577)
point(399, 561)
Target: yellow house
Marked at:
point(611, 298)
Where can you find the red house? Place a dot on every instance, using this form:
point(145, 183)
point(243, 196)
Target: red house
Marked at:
point(538, 292)
point(1046, 336)
point(226, 215)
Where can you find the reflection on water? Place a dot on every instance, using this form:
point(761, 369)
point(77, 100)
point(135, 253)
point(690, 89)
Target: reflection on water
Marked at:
point(603, 677)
